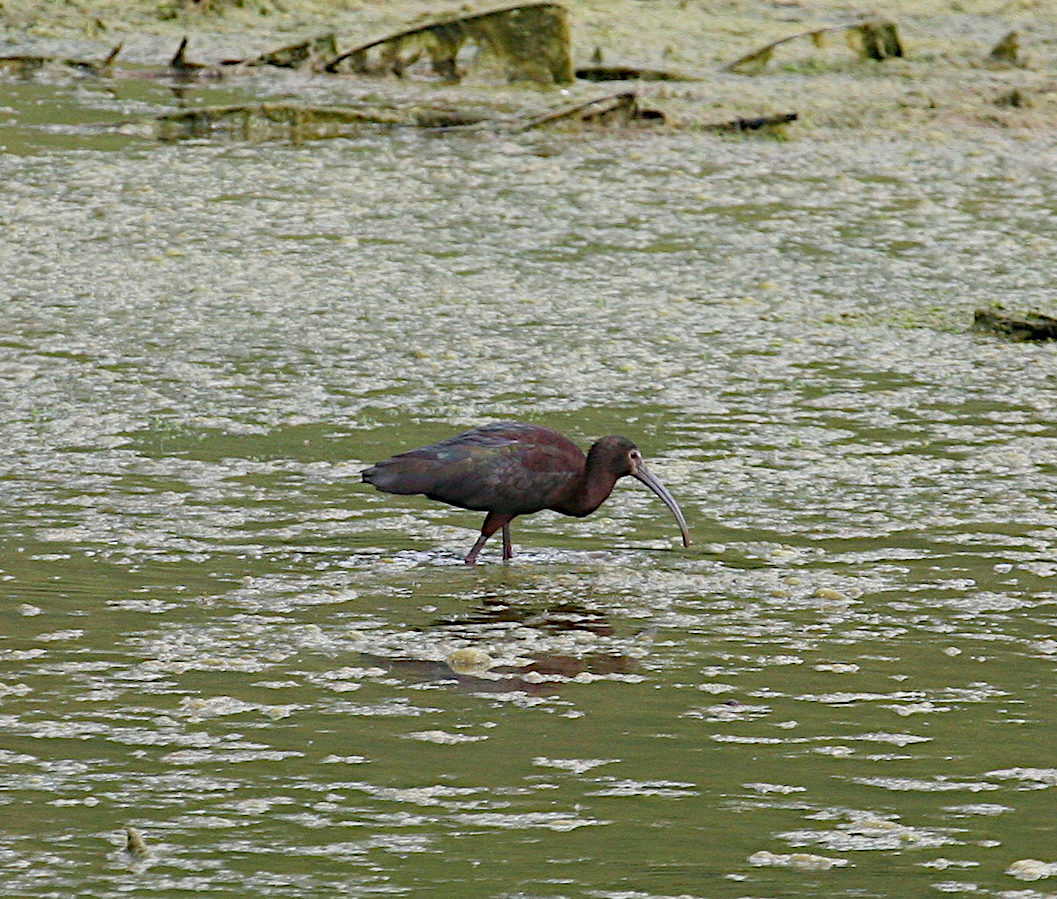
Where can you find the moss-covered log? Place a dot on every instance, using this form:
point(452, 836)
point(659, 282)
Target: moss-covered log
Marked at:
point(874, 39)
point(530, 42)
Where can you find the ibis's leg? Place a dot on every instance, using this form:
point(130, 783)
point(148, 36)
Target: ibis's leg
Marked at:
point(492, 523)
point(508, 550)
point(471, 556)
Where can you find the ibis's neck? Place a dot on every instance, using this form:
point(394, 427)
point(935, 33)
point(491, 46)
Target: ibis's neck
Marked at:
point(590, 489)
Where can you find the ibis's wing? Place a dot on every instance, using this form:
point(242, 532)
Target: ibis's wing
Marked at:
point(499, 468)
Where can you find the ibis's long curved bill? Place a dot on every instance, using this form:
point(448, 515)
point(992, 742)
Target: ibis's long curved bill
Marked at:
point(642, 473)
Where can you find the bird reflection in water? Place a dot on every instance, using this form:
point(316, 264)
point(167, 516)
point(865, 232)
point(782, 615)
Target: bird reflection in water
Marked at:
point(474, 668)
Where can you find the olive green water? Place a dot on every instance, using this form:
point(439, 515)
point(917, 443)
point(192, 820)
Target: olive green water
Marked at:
point(212, 633)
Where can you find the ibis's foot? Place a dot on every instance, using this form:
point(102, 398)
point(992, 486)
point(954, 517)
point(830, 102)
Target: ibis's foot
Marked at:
point(471, 556)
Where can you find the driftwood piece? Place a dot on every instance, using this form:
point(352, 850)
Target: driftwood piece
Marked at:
point(616, 109)
point(600, 72)
point(873, 39)
point(1022, 326)
point(760, 123)
point(299, 122)
point(23, 66)
point(530, 40)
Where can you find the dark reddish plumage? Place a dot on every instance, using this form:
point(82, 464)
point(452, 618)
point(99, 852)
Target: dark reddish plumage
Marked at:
point(511, 468)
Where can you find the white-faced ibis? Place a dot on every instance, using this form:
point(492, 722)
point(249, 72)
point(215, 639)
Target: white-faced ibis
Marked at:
point(511, 468)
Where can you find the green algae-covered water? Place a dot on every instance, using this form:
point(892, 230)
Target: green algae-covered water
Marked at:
point(288, 685)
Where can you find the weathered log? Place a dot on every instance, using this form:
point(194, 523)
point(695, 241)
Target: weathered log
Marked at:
point(1022, 326)
point(530, 39)
point(874, 39)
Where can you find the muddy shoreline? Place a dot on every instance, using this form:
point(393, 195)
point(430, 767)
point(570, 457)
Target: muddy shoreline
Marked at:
point(945, 86)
